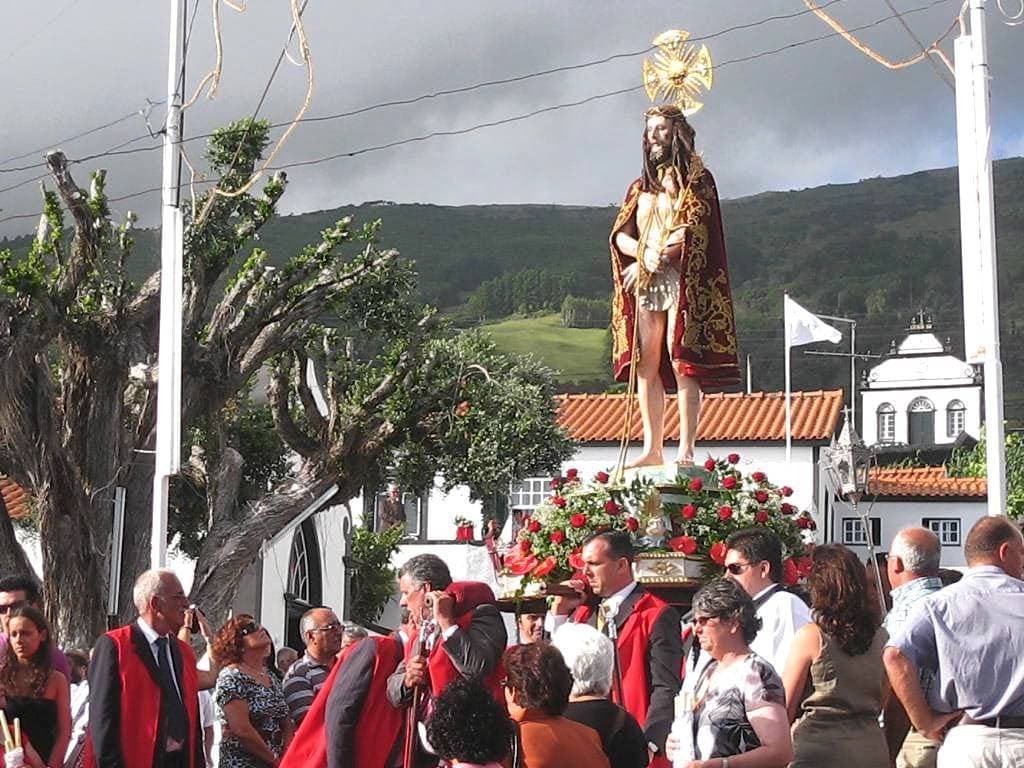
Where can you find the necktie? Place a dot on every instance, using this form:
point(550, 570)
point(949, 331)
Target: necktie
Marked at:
point(171, 705)
point(602, 620)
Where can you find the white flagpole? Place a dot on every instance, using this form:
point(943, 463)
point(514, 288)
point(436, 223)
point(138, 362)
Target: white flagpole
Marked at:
point(789, 406)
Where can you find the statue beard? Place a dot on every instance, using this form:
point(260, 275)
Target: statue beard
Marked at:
point(657, 153)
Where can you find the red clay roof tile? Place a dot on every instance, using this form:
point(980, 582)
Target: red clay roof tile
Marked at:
point(924, 481)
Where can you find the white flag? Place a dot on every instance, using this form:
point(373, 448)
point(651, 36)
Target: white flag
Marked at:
point(803, 327)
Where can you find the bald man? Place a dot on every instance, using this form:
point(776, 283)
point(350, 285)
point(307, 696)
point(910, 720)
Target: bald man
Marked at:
point(913, 569)
point(970, 636)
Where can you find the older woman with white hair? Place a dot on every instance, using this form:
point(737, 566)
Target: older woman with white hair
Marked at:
point(589, 656)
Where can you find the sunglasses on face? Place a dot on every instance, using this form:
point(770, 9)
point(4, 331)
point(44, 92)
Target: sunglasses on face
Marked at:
point(249, 628)
point(701, 621)
point(8, 607)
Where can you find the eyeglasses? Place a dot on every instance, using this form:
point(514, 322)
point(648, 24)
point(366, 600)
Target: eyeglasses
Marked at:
point(7, 607)
point(334, 626)
point(700, 621)
point(737, 568)
point(249, 628)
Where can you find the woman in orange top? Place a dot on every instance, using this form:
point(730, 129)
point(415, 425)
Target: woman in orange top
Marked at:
point(537, 687)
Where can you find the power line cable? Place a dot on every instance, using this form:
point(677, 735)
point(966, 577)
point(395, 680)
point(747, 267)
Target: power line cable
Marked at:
point(943, 75)
point(515, 118)
point(481, 85)
point(43, 28)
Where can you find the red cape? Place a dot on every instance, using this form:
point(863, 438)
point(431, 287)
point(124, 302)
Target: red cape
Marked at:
point(704, 343)
point(378, 726)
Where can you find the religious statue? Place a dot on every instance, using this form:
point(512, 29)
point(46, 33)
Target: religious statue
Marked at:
point(672, 316)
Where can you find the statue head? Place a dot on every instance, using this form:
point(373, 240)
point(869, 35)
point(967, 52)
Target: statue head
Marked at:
point(668, 141)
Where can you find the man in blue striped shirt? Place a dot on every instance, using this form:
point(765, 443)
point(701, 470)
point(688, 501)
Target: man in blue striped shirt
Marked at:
point(971, 636)
point(322, 633)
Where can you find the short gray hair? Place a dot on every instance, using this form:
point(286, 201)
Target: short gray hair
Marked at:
point(149, 585)
point(725, 599)
point(921, 552)
point(589, 656)
point(356, 631)
point(427, 569)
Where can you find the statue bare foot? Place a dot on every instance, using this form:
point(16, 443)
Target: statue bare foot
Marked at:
point(650, 459)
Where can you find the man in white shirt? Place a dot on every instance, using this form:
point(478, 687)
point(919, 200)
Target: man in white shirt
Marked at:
point(754, 561)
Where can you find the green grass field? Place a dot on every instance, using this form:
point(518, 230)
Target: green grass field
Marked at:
point(578, 354)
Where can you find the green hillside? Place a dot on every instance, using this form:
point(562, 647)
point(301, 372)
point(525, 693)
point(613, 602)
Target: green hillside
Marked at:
point(579, 354)
point(877, 251)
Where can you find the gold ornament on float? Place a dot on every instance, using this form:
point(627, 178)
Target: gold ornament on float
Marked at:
point(680, 71)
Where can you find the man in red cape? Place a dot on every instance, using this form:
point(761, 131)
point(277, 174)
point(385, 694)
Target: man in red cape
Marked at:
point(469, 636)
point(669, 265)
point(351, 723)
point(648, 642)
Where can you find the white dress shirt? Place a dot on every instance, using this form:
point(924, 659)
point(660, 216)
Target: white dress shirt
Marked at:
point(781, 616)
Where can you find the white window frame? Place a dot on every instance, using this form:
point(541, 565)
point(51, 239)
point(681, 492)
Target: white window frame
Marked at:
point(413, 504)
point(529, 492)
point(852, 529)
point(956, 418)
point(948, 529)
point(886, 421)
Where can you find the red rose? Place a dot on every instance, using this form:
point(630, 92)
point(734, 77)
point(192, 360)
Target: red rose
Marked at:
point(601, 477)
point(685, 544)
point(761, 516)
point(525, 546)
point(733, 458)
point(728, 482)
point(710, 465)
point(790, 573)
point(571, 474)
point(557, 537)
point(761, 496)
point(546, 566)
point(556, 483)
point(787, 508)
point(689, 512)
point(578, 520)
point(724, 512)
point(803, 566)
point(519, 566)
point(717, 552)
point(786, 490)
point(759, 477)
point(611, 507)
point(803, 522)
point(576, 561)
point(632, 523)
point(533, 526)
point(696, 485)
point(558, 501)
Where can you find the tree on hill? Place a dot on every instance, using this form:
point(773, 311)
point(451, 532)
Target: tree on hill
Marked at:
point(77, 385)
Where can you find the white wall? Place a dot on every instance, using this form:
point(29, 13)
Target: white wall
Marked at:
point(895, 515)
point(900, 399)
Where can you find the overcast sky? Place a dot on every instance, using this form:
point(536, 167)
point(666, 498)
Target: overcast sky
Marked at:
point(807, 116)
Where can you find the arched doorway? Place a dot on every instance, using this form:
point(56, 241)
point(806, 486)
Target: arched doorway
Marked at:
point(305, 581)
point(921, 415)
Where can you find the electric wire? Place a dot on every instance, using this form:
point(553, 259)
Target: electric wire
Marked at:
point(943, 75)
point(473, 87)
point(495, 123)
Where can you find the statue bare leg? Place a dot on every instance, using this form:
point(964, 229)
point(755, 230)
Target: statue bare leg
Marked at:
point(649, 388)
point(687, 398)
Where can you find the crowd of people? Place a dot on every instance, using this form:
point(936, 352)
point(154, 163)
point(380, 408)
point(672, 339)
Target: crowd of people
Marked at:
point(598, 678)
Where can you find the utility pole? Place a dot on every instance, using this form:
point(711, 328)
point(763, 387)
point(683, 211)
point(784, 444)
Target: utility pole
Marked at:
point(978, 241)
point(168, 418)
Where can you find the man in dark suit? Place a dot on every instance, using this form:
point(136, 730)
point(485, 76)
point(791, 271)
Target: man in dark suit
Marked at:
point(143, 686)
point(645, 628)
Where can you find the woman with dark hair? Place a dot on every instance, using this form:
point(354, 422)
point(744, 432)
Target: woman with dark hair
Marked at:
point(740, 708)
point(537, 687)
point(835, 680)
point(31, 689)
point(255, 725)
point(469, 727)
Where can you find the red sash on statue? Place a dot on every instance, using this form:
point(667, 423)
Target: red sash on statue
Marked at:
point(378, 720)
point(140, 703)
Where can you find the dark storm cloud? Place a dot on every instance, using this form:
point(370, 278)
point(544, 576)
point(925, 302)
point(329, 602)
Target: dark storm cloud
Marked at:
point(810, 115)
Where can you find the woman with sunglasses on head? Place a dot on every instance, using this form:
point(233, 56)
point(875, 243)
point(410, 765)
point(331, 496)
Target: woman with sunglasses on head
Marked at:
point(739, 716)
point(835, 680)
point(255, 724)
point(31, 689)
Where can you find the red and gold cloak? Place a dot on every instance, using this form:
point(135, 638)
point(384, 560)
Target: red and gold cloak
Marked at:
point(704, 342)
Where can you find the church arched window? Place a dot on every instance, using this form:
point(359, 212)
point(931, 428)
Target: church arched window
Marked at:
point(305, 582)
point(886, 423)
point(956, 418)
